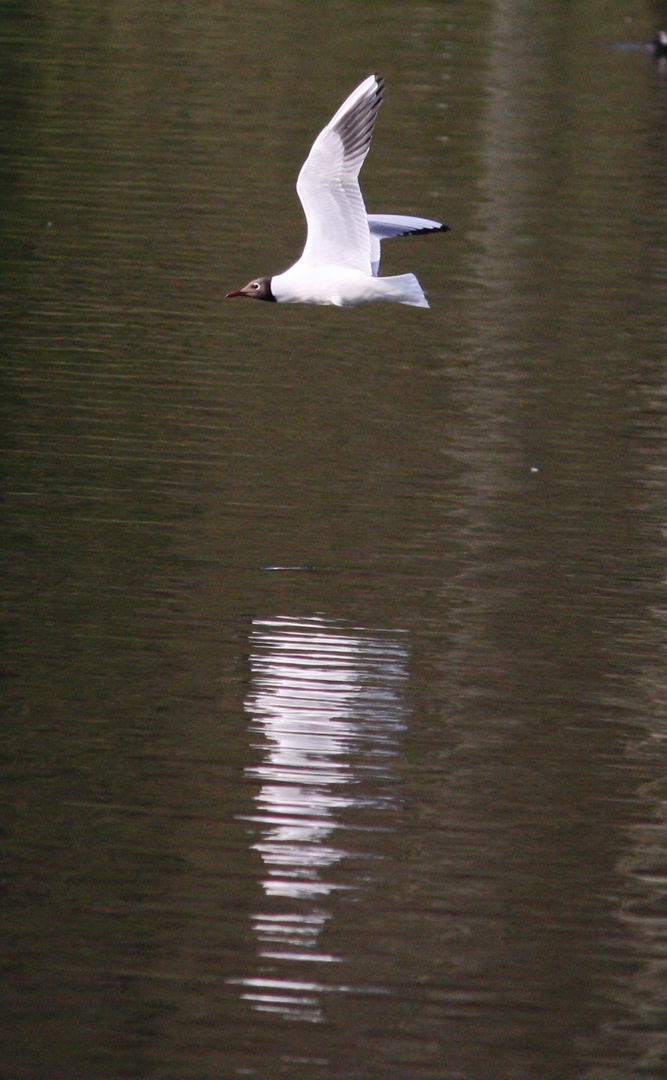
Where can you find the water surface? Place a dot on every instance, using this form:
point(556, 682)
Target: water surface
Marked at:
point(335, 728)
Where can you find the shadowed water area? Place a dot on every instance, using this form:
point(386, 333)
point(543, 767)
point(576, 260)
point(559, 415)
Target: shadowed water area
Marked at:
point(334, 737)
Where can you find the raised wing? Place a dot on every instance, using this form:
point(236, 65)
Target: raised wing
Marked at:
point(385, 226)
point(328, 185)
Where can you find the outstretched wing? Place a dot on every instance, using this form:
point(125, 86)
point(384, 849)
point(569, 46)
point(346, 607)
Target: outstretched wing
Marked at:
point(328, 184)
point(384, 226)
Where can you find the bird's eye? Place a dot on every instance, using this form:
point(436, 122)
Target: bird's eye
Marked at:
point(255, 285)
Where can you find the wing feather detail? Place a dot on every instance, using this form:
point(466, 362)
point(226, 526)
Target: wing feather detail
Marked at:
point(386, 226)
point(328, 184)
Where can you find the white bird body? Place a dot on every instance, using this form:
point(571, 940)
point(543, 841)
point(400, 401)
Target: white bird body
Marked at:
point(341, 257)
point(343, 286)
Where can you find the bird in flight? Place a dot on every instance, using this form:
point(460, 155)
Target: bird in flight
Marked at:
point(341, 258)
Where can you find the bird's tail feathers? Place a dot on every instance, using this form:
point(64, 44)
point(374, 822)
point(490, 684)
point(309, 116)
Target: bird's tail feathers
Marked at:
point(405, 289)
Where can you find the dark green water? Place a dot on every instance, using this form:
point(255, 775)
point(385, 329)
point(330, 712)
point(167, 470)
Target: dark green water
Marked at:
point(398, 812)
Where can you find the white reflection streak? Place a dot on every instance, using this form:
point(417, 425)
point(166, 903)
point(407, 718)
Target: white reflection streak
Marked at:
point(327, 707)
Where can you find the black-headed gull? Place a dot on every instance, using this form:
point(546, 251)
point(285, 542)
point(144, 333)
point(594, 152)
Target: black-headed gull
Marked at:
point(341, 258)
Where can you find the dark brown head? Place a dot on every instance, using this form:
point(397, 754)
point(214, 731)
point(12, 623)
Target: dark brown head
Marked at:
point(259, 289)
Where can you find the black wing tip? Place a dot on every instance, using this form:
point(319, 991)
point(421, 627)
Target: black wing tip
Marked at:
point(428, 229)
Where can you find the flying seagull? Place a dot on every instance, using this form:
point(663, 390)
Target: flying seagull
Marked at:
point(341, 258)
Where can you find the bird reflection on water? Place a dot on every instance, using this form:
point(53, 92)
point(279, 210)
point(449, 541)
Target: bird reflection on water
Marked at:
point(327, 709)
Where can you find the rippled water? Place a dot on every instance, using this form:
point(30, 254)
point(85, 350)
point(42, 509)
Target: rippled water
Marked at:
point(334, 738)
point(328, 708)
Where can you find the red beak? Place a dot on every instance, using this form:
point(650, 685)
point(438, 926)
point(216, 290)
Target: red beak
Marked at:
point(237, 292)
